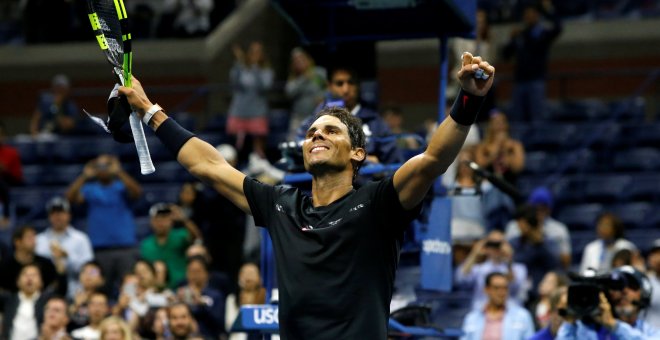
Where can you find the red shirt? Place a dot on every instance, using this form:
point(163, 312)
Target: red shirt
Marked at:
point(10, 170)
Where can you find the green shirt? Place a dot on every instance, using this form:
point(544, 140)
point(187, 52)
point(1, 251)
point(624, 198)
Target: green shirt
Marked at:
point(172, 252)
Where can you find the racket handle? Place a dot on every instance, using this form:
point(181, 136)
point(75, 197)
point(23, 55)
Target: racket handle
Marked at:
point(146, 165)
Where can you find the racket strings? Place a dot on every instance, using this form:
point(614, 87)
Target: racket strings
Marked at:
point(110, 26)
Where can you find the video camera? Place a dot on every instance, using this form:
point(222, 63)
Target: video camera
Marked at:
point(584, 293)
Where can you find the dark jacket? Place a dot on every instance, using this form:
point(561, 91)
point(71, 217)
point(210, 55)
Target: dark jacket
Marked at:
point(9, 305)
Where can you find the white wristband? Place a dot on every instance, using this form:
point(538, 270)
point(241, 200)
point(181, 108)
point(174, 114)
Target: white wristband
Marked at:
point(150, 113)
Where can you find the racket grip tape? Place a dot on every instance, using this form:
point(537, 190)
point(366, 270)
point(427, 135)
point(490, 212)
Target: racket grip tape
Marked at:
point(146, 165)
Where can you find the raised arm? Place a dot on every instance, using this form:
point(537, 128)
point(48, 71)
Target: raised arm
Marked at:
point(416, 176)
point(200, 158)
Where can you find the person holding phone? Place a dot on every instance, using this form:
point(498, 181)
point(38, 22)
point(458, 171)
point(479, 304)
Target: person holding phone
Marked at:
point(489, 255)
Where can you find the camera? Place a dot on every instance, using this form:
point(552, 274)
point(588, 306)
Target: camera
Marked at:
point(584, 293)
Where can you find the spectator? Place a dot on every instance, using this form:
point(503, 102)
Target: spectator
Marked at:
point(23, 311)
point(531, 47)
point(192, 18)
point(139, 296)
point(480, 46)
point(24, 243)
point(251, 78)
point(217, 280)
point(251, 292)
point(162, 274)
point(393, 117)
point(617, 318)
point(55, 320)
point(498, 152)
point(343, 90)
point(498, 319)
point(182, 324)
point(653, 261)
point(543, 308)
point(167, 243)
point(192, 202)
point(467, 211)
point(66, 246)
point(206, 304)
point(107, 189)
point(305, 87)
point(160, 327)
point(56, 112)
point(114, 328)
point(98, 310)
point(533, 249)
point(489, 255)
point(598, 254)
point(541, 198)
point(557, 303)
point(11, 173)
point(11, 17)
point(90, 282)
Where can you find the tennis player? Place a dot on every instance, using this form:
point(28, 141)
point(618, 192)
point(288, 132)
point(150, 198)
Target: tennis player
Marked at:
point(336, 251)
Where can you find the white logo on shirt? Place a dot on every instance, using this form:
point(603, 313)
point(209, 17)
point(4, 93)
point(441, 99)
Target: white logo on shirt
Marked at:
point(359, 206)
point(306, 228)
point(334, 223)
point(279, 207)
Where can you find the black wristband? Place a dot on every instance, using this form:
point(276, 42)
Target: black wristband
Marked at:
point(173, 135)
point(466, 108)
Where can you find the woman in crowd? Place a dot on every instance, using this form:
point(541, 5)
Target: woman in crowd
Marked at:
point(598, 254)
point(251, 292)
point(251, 79)
point(498, 152)
point(114, 328)
point(305, 87)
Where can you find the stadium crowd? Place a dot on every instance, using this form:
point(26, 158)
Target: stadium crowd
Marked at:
point(188, 276)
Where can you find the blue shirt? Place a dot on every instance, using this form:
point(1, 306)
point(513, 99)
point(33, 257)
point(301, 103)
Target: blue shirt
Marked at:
point(110, 221)
point(543, 334)
point(622, 331)
point(49, 111)
point(516, 324)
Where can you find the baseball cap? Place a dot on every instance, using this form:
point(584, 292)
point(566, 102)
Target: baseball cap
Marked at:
point(540, 196)
point(159, 208)
point(57, 203)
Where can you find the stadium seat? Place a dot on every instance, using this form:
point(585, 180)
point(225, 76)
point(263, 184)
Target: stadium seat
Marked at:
point(633, 215)
point(582, 110)
point(638, 159)
point(166, 172)
point(551, 137)
point(577, 161)
point(155, 193)
point(539, 162)
point(606, 188)
point(643, 187)
point(630, 109)
point(580, 216)
point(644, 134)
point(217, 123)
point(600, 135)
point(26, 150)
point(518, 130)
point(33, 175)
point(62, 174)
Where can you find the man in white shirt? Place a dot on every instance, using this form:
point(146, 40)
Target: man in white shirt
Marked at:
point(98, 309)
point(23, 311)
point(67, 247)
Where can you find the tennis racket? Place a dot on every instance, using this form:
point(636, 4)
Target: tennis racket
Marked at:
point(110, 25)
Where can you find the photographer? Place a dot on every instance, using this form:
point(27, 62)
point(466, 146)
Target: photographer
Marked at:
point(618, 322)
point(489, 255)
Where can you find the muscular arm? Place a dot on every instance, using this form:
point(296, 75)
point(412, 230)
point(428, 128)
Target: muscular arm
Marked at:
point(198, 157)
point(416, 176)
